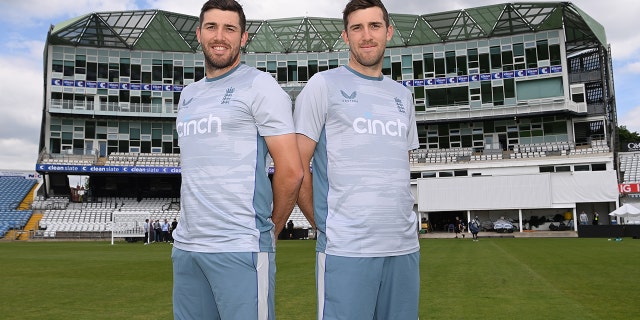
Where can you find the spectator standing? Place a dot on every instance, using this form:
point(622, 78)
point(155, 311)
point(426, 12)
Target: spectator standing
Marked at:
point(146, 231)
point(584, 219)
point(165, 230)
point(474, 227)
point(228, 124)
point(174, 225)
point(359, 127)
point(290, 229)
point(157, 230)
point(596, 218)
point(457, 226)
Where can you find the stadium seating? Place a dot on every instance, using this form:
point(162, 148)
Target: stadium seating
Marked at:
point(143, 159)
point(520, 151)
point(628, 167)
point(299, 220)
point(96, 217)
point(12, 191)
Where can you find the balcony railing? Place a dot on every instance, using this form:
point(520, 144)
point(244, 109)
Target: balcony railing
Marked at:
point(111, 108)
point(532, 106)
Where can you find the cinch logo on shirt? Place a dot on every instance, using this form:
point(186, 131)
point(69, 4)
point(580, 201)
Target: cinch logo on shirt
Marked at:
point(378, 127)
point(199, 126)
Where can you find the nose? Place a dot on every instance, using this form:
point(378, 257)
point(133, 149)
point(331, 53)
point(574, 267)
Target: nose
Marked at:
point(367, 33)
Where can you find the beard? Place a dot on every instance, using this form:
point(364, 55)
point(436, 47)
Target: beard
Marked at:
point(220, 62)
point(371, 59)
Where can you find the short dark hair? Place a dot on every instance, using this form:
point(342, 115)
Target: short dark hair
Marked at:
point(355, 5)
point(225, 5)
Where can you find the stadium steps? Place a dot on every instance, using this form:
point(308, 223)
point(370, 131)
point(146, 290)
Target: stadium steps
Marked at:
point(32, 225)
point(10, 235)
point(28, 199)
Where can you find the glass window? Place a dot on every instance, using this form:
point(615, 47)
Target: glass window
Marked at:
point(518, 49)
point(486, 91)
point(485, 66)
point(507, 60)
point(496, 57)
point(450, 62)
point(57, 66)
point(92, 71)
point(554, 55)
point(68, 68)
point(531, 58)
point(167, 69)
point(542, 47)
point(81, 61)
point(429, 62)
point(439, 67)
point(177, 75)
point(156, 73)
point(498, 96)
point(461, 62)
point(125, 67)
point(417, 70)
point(509, 88)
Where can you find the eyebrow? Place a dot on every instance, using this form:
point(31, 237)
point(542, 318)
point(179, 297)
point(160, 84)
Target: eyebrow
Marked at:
point(224, 25)
point(372, 23)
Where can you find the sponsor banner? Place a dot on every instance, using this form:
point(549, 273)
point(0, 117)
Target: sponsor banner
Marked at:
point(631, 146)
point(629, 188)
point(106, 169)
point(112, 169)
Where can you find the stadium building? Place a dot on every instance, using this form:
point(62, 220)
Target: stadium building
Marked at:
point(515, 107)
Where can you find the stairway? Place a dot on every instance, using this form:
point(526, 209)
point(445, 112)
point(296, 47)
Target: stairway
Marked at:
point(30, 227)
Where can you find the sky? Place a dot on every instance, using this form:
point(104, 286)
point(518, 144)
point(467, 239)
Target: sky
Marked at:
point(25, 24)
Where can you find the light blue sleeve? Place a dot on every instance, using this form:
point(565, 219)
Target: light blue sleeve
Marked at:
point(412, 137)
point(272, 107)
point(310, 113)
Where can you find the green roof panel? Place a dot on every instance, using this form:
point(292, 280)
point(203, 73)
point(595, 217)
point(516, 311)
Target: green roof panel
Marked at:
point(158, 30)
point(161, 34)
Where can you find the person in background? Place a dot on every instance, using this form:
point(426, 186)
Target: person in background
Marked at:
point(596, 218)
point(230, 125)
point(290, 229)
point(146, 231)
point(584, 219)
point(474, 227)
point(157, 230)
point(359, 127)
point(165, 230)
point(458, 226)
point(174, 225)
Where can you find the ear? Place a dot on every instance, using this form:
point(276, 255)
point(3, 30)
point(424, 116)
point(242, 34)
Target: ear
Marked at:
point(244, 38)
point(389, 32)
point(198, 34)
point(345, 38)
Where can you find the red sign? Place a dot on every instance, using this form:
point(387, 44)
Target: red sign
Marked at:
point(629, 187)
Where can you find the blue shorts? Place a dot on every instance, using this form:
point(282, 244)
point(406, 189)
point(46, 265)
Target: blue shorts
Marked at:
point(368, 288)
point(238, 285)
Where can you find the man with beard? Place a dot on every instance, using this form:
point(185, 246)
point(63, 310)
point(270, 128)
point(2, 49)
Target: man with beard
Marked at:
point(359, 126)
point(231, 213)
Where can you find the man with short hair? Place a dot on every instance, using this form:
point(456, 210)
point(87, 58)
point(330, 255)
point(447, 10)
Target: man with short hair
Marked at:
point(359, 126)
point(231, 213)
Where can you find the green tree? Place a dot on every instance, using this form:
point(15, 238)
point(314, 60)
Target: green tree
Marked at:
point(625, 136)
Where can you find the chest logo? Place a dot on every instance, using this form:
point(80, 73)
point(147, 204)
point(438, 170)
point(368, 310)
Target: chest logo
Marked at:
point(349, 98)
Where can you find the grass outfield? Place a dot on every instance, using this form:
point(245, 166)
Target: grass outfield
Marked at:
point(496, 278)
